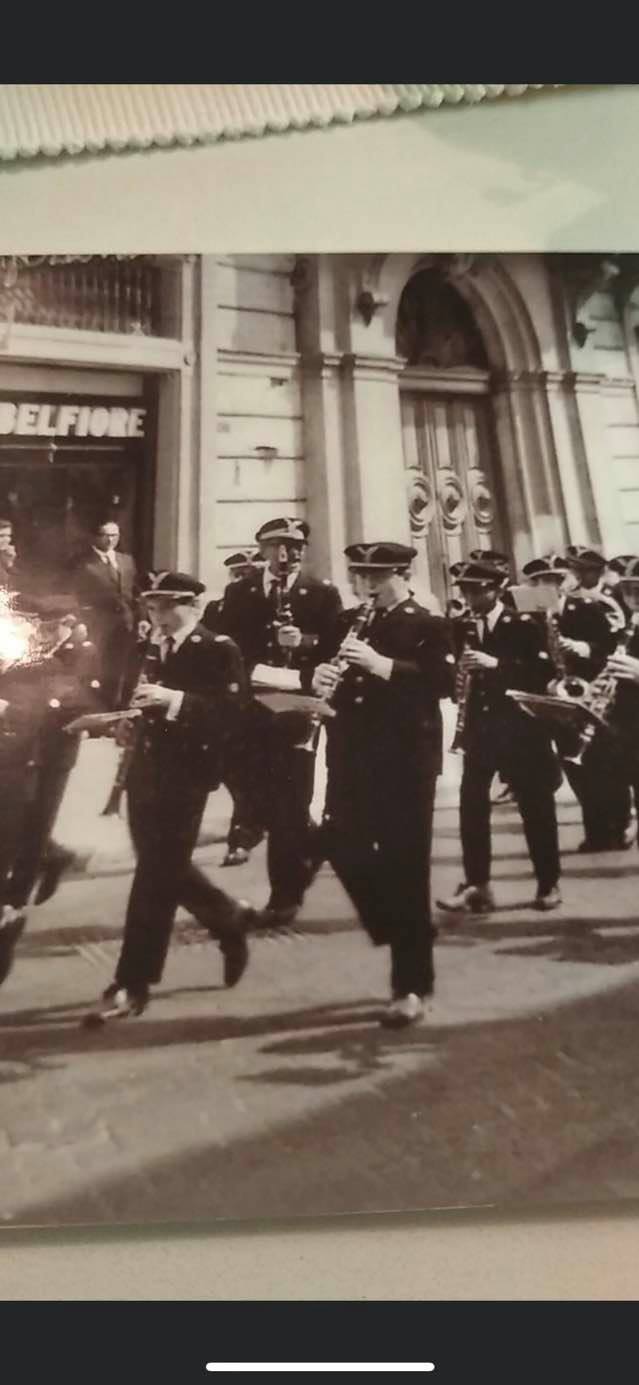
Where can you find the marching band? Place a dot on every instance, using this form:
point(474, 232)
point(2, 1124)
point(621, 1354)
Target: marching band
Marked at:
point(545, 675)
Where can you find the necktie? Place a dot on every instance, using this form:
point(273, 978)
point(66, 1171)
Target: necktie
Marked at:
point(169, 646)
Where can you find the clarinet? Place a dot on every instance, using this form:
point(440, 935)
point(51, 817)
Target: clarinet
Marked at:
point(463, 685)
point(130, 738)
point(356, 631)
point(283, 612)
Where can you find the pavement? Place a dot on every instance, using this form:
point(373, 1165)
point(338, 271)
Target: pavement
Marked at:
point(283, 1097)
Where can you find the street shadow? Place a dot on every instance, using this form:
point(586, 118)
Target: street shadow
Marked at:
point(608, 872)
point(65, 941)
point(611, 941)
point(588, 945)
point(42, 1034)
point(404, 1143)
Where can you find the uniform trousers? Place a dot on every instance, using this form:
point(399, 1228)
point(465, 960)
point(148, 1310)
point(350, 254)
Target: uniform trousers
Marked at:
point(600, 784)
point(49, 779)
point(377, 836)
point(18, 786)
point(272, 785)
point(166, 802)
point(533, 783)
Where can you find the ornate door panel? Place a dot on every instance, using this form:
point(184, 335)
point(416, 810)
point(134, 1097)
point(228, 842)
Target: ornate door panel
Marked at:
point(453, 505)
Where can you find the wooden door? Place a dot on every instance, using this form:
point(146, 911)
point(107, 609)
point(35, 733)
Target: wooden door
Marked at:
point(453, 487)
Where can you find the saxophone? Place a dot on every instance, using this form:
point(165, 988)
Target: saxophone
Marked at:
point(565, 684)
point(463, 685)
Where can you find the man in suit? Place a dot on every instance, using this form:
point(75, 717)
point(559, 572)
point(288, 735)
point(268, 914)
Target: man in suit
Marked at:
point(105, 584)
point(384, 753)
point(501, 651)
point(282, 618)
point(193, 696)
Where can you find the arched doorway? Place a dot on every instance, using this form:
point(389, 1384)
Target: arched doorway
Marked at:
point(456, 501)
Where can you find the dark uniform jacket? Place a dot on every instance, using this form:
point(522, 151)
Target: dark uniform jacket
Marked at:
point(43, 697)
point(495, 726)
point(247, 616)
point(624, 712)
point(589, 619)
point(208, 669)
point(385, 741)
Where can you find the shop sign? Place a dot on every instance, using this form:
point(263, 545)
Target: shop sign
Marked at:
point(43, 420)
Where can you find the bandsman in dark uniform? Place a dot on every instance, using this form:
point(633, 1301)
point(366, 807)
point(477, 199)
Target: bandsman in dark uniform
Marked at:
point(501, 792)
point(384, 753)
point(501, 563)
point(282, 618)
point(238, 565)
point(46, 679)
point(588, 568)
point(591, 621)
point(624, 666)
point(246, 829)
point(191, 694)
point(502, 650)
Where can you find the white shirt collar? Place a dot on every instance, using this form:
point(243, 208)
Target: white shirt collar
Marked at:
point(493, 616)
point(107, 557)
point(178, 638)
point(269, 578)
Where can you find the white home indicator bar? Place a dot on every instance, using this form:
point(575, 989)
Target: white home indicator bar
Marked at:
point(320, 1365)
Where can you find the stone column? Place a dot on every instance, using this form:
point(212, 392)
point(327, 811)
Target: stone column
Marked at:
point(205, 477)
point(375, 480)
point(176, 490)
point(314, 280)
point(588, 391)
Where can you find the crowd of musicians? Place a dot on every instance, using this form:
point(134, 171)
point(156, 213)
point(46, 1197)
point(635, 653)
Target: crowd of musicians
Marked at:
point(236, 691)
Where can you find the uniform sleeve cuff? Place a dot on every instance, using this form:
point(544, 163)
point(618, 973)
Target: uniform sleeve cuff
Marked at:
point(175, 705)
point(383, 667)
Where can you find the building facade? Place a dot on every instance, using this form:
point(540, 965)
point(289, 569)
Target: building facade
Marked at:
point(462, 401)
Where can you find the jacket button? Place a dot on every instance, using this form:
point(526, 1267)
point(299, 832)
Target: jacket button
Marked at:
point(359, 699)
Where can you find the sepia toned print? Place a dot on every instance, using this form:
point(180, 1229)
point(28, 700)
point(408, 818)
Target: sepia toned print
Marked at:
point(319, 705)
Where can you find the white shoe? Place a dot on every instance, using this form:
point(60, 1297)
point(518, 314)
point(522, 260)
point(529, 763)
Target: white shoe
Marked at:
point(116, 1004)
point(407, 1009)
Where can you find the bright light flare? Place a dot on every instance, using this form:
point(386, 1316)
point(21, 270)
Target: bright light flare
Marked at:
point(15, 642)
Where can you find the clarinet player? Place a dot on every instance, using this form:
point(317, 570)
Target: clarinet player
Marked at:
point(192, 698)
point(497, 737)
point(284, 618)
point(384, 753)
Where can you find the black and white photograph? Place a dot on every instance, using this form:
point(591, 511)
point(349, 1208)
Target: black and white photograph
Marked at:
point(319, 733)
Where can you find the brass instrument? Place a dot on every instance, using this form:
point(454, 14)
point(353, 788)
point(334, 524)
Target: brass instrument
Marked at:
point(566, 684)
point(463, 685)
point(582, 712)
